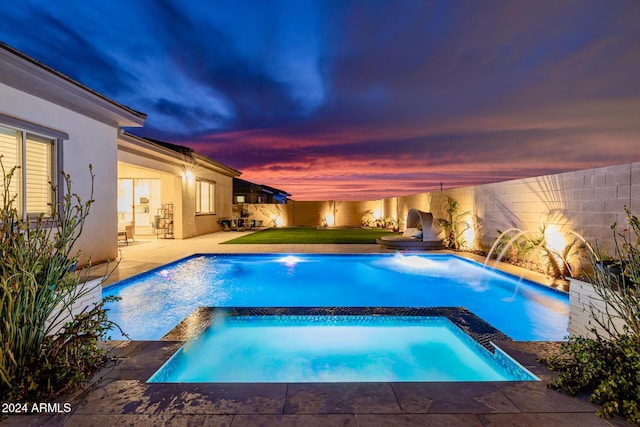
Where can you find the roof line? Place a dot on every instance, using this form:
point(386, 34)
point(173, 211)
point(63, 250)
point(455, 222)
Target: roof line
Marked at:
point(180, 150)
point(68, 79)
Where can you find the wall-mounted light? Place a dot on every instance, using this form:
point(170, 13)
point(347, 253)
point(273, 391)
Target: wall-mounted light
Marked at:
point(188, 175)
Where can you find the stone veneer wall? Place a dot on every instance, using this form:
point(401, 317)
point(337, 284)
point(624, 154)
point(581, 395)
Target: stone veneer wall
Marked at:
point(583, 302)
point(90, 295)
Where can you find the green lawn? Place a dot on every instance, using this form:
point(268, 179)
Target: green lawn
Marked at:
point(276, 236)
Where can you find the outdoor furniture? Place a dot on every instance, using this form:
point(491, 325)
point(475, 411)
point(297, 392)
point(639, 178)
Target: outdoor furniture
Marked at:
point(244, 223)
point(128, 231)
point(122, 235)
point(126, 234)
point(419, 233)
point(226, 224)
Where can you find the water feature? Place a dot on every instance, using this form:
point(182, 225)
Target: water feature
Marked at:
point(544, 244)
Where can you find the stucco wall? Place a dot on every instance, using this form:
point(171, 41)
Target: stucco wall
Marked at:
point(180, 190)
point(196, 225)
point(90, 142)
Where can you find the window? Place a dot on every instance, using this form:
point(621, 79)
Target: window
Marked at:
point(205, 197)
point(35, 156)
point(240, 199)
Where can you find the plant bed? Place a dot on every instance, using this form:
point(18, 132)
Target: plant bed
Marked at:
point(616, 270)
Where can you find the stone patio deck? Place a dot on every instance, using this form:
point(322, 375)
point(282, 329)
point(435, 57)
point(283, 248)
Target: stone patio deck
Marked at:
point(119, 395)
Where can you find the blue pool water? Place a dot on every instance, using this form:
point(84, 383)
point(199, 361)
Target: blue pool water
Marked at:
point(154, 302)
point(336, 349)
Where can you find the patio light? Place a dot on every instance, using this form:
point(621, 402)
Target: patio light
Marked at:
point(555, 239)
point(188, 175)
point(330, 220)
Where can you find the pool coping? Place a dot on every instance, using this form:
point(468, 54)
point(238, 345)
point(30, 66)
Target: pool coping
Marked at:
point(473, 326)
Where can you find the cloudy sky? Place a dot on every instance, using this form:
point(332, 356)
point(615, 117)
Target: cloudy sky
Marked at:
point(358, 100)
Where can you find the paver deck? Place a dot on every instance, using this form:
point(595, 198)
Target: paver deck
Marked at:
point(119, 395)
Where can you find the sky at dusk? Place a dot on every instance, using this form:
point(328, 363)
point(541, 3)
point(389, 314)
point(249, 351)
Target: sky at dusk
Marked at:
point(359, 100)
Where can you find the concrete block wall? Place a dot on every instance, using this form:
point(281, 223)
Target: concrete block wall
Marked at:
point(310, 214)
point(586, 202)
point(268, 213)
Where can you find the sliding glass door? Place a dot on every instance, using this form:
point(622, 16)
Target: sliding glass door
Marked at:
point(138, 202)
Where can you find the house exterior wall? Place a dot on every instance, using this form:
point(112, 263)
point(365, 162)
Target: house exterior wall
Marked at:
point(168, 184)
point(90, 142)
point(179, 189)
point(198, 224)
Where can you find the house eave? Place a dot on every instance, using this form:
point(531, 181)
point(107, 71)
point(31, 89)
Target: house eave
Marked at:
point(215, 166)
point(25, 74)
point(141, 146)
point(135, 145)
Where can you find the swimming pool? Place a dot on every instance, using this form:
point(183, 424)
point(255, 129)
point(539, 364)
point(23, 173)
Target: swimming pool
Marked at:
point(154, 302)
point(332, 348)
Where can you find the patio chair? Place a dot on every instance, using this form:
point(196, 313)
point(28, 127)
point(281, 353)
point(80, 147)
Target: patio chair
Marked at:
point(128, 229)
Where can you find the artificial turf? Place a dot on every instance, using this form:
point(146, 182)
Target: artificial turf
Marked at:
point(302, 235)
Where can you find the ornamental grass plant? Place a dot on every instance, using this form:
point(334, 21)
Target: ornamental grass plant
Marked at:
point(44, 349)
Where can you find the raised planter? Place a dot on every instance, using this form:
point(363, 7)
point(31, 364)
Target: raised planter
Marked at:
point(90, 294)
point(584, 302)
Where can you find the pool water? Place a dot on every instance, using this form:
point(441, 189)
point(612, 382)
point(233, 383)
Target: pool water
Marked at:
point(154, 302)
point(336, 349)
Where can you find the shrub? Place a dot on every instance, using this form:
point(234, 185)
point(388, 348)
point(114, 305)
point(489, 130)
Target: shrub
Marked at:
point(453, 225)
point(43, 351)
point(531, 248)
point(607, 367)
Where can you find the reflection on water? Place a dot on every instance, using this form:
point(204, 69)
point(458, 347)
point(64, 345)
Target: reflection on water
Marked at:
point(152, 304)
